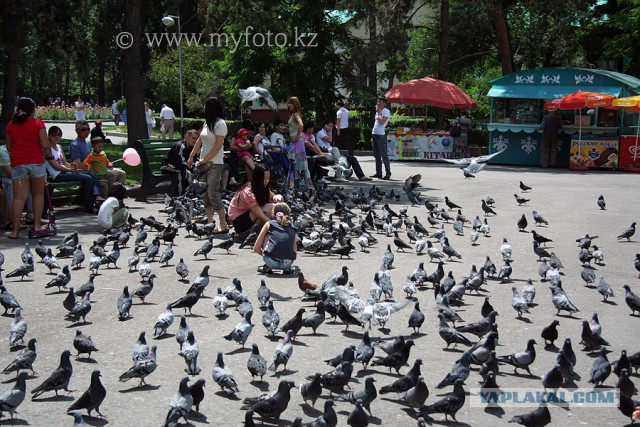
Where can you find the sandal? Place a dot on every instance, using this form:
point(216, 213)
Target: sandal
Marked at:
point(264, 269)
point(220, 231)
point(13, 237)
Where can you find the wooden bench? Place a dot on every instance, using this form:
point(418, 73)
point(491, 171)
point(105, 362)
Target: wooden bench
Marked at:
point(152, 152)
point(65, 192)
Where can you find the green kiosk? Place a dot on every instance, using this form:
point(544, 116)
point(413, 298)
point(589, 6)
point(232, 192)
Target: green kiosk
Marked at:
point(517, 102)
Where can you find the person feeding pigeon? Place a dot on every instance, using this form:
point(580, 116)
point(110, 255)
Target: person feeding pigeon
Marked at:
point(113, 213)
point(253, 202)
point(277, 241)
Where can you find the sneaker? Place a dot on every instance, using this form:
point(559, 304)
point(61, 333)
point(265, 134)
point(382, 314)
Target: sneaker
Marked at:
point(365, 178)
point(341, 179)
point(324, 181)
point(387, 177)
point(376, 176)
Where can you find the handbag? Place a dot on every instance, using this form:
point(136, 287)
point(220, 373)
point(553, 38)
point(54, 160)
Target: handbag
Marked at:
point(203, 167)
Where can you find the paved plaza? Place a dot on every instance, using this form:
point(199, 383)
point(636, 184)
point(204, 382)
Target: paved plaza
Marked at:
point(566, 199)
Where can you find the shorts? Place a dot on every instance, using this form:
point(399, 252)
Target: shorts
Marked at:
point(243, 222)
point(28, 171)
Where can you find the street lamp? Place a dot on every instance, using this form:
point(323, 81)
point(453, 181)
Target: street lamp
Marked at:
point(169, 21)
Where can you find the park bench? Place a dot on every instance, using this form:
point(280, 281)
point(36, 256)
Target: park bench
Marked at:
point(152, 152)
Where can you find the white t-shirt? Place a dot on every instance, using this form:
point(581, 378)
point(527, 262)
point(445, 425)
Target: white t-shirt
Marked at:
point(57, 156)
point(105, 214)
point(277, 140)
point(320, 141)
point(378, 128)
point(167, 113)
point(343, 115)
point(264, 144)
point(79, 110)
point(209, 140)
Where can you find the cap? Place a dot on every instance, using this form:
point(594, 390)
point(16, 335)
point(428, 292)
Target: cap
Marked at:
point(243, 132)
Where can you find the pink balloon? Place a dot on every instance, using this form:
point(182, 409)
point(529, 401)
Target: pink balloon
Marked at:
point(131, 157)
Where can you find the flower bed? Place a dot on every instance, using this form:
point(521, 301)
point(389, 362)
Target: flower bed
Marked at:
point(56, 112)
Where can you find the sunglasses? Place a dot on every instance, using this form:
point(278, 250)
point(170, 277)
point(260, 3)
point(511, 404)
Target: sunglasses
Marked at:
point(83, 129)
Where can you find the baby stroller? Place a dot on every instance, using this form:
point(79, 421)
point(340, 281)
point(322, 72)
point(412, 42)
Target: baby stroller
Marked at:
point(279, 165)
point(50, 229)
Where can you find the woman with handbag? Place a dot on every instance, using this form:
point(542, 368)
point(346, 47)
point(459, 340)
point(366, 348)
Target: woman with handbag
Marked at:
point(210, 145)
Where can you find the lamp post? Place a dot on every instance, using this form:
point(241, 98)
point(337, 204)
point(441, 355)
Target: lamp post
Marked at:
point(169, 21)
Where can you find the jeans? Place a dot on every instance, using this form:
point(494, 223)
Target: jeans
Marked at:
point(277, 264)
point(380, 153)
point(90, 186)
point(355, 165)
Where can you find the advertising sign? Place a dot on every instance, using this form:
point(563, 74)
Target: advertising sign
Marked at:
point(592, 151)
point(405, 145)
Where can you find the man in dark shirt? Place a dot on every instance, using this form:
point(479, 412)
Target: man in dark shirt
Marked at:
point(550, 126)
point(97, 131)
point(176, 160)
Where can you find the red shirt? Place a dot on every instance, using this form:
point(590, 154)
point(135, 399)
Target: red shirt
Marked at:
point(242, 202)
point(25, 142)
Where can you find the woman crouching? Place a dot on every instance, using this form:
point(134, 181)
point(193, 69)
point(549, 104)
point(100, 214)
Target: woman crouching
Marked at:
point(277, 241)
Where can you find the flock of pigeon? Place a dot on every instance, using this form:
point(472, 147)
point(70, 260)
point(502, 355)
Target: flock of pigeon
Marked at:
point(374, 340)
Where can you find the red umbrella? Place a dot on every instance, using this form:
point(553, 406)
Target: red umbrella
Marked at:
point(579, 100)
point(438, 93)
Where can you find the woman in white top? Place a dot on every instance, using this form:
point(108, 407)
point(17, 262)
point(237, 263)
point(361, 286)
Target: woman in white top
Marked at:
point(210, 144)
point(62, 171)
point(151, 121)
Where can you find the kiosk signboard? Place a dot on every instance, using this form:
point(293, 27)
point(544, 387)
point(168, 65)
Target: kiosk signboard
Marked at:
point(593, 151)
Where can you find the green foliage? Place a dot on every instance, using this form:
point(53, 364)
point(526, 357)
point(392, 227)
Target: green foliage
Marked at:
point(121, 105)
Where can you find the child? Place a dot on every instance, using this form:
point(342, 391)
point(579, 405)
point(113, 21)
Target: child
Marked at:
point(241, 145)
point(277, 241)
point(113, 213)
point(98, 163)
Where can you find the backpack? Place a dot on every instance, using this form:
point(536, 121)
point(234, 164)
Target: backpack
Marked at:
point(456, 130)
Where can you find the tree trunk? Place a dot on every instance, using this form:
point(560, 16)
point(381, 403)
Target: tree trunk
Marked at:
point(373, 48)
point(14, 35)
point(502, 38)
point(443, 37)
point(101, 89)
point(132, 72)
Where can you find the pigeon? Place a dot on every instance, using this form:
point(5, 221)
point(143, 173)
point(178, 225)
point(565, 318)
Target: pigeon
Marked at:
point(92, 398)
point(505, 271)
point(197, 393)
point(205, 248)
point(529, 292)
point(183, 331)
point(416, 319)
point(632, 300)
point(220, 302)
point(539, 219)
point(473, 165)
point(591, 341)
point(622, 363)
point(552, 379)
point(588, 275)
point(188, 301)
point(416, 395)
point(142, 368)
point(505, 249)
point(539, 417)
point(17, 329)
point(449, 405)
point(364, 351)
point(395, 360)
point(304, 284)
point(61, 280)
point(450, 335)
point(601, 203)
point(625, 385)
point(180, 405)
point(144, 269)
point(521, 360)
point(59, 379)
point(167, 254)
point(241, 332)
point(12, 398)
point(190, 351)
point(358, 417)
point(487, 209)
point(223, 376)
point(140, 349)
point(225, 244)
point(518, 303)
point(627, 234)
point(24, 359)
point(480, 327)
point(83, 344)
point(550, 333)
point(22, 271)
point(388, 258)
point(601, 368)
point(312, 390)
point(8, 301)
point(406, 382)
point(257, 365)
point(164, 320)
point(540, 238)
point(400, 244)
point(459, 371)
point(598, 255)
point(271, 319)
point(295, 323)
point(183, 271)
point(450, 204)
point(144, 289)
point(486, 307)
point(365, 396)
point(264, 293)
point(524, 187)
point(124, 304)
point(271, 406)
point(541, 252)
point(315, 320)
point(521, 200)
point(522, 223)
point(283, 352)
point(561, 302)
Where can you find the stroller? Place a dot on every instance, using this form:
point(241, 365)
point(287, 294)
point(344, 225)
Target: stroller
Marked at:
point(50, 229)
point(279, 165)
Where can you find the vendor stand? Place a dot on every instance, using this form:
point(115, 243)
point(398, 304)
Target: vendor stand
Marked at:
point(415, 144)
point(517, 102)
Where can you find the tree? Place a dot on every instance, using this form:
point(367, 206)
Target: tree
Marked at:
point(132, 72)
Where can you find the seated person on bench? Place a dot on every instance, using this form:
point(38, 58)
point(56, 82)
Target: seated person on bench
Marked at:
point(242, 148)
point(176, 160)
point(98, 163)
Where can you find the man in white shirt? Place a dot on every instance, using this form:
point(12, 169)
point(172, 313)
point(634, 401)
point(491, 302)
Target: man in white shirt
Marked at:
point(342, 128)
point(379, 140)
point(167, 118)
point(79, 106)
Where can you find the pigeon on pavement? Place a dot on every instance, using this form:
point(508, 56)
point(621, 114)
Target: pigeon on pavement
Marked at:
point(539, 417)
point(164, 320)
point(83, 344)
point(627, 234)
point(12, 398)
point(271, 406)
point(223, 376)
point(24, 359)
point(257, 365)
point(59, 379)
point(93, 397)
point(180, 405)
point(142, 368)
